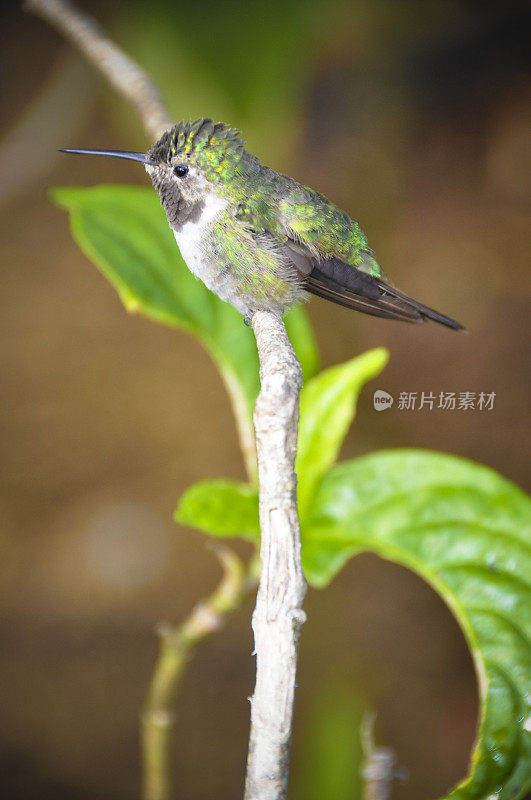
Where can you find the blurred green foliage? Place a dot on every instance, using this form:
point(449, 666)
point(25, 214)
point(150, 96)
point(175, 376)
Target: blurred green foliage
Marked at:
point(205, 59)
point(459, 525)
point(329, 752)
point(221, 508)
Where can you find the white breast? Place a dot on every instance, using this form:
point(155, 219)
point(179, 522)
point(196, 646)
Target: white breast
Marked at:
point(191, 234)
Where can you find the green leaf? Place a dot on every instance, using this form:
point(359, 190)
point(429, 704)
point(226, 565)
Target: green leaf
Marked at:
point(123, 230)
point(221, 508)
point(467, 531)
point(327, 408)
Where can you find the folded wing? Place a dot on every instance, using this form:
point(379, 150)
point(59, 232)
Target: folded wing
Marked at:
point(353, 288)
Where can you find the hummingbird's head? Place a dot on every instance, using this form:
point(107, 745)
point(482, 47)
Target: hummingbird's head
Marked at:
point(193, 160)
point(211, 150)
point(189, 163)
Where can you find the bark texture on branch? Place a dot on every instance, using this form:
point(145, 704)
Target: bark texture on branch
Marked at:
point(278, 615)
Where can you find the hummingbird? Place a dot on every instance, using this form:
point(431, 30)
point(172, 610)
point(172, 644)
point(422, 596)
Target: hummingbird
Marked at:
point(259, 239)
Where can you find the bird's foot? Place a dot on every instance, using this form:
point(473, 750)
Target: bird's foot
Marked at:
point(247, 320)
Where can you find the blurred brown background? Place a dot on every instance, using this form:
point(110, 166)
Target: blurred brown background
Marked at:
point(413, 116)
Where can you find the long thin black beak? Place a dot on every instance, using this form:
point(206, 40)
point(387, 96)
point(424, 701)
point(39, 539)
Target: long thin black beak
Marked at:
point(116, 153)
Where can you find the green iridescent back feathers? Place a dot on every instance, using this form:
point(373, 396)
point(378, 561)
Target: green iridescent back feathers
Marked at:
point(268, 200)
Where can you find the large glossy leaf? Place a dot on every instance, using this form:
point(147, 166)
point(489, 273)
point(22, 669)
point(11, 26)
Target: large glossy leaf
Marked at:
point(123, 230)
point(327, 408)
point(467, 531)
point(221, 508)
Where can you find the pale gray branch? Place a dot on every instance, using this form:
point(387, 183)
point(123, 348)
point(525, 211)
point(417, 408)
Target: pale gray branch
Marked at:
point(278, 615)
point(121, 72)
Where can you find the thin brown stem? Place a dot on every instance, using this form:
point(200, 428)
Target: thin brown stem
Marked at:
point(379, 769)
point(177, 646)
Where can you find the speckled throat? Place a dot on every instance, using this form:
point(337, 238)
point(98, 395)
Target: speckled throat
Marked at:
point(178, 209)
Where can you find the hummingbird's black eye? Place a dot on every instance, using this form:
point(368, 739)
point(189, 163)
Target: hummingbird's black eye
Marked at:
point(180, 170)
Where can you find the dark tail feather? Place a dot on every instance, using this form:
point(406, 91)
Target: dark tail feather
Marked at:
point(323, 287)
point(352, 288)
point(425, 311)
